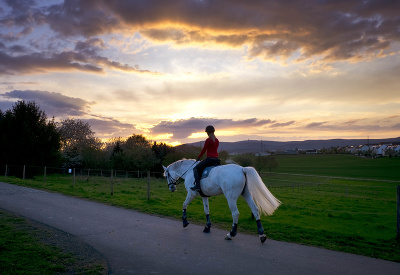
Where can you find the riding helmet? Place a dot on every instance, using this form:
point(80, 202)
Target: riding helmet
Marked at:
point(210, 129)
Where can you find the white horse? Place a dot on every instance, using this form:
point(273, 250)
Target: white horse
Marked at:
point(231, 180)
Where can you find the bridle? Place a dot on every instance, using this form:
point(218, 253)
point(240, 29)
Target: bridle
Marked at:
point(172, 181)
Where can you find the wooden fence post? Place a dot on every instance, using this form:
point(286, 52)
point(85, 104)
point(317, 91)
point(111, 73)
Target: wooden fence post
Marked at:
point(74, 176)
point(398, 212)
point(5, 174)
point(44, 176)
point(23, 173)
point(148, 185)
point(112, 183)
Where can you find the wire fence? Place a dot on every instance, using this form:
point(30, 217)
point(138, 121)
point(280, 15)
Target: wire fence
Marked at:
point(26, 172)
point(303, 180)
point(324, 188)
point(271, 180)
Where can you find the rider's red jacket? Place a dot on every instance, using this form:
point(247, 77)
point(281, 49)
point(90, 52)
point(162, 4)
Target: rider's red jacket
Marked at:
point(211, 147)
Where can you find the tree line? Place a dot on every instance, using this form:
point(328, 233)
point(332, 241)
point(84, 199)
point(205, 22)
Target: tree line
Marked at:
point(29, 137)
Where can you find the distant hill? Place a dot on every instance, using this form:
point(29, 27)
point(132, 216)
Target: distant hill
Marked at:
point(255, 146)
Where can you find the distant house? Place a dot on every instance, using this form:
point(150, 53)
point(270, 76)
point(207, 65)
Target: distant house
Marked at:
point(364, 148)
point(380, 150)
point(311, 151)
point(262, 154)
point(291, 152)
point(355, 149)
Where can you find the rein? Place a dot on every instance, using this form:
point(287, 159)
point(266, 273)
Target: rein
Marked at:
point(172, 181)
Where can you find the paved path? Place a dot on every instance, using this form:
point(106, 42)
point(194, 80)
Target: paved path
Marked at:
point(135, 243)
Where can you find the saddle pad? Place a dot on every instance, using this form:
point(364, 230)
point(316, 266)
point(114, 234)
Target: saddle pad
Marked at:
point(207, 171)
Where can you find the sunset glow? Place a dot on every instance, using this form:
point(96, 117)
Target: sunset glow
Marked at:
point(261, 70)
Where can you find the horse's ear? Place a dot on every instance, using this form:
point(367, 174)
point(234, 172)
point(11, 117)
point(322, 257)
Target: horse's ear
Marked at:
point(165, 168)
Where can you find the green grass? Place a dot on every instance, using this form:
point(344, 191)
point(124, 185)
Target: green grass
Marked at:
point(341, 166)
point(352, 215)
point(22, 252)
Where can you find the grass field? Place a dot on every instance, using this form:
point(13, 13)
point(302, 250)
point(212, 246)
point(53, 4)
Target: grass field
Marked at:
point(352, 215)
point(23, 251)
point(340, 166)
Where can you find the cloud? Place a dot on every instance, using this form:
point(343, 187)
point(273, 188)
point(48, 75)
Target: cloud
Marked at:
point(85, 57)
point(367, 126)
point(346, 30)
point(54, 104)
point(316, 124)
point(55, 51)
point(61, 106)
point(105, 127)
point(284, 124)
point(185, 127)
point(87, 18)
point(271, 29)
point(6, 105)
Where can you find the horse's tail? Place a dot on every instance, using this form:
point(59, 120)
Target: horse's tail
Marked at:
point(263, 198)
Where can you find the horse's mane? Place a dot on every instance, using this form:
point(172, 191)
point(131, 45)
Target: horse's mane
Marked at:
point(179, 163)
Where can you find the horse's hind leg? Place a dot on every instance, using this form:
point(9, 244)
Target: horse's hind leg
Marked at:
point(206, 211)
point(254, 209)
point(235, 216)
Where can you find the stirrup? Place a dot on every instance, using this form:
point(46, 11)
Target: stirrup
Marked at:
point(195, 188)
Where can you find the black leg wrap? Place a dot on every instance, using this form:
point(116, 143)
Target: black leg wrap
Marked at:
point(260, 228)
point(184, 218)
point(208, 224)
point(234, 230)
point(208, 220)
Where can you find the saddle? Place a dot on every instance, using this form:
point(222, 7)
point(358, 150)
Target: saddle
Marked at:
point(206, 172)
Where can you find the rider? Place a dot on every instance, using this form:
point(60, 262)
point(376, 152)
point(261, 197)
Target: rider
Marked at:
point(211, 146)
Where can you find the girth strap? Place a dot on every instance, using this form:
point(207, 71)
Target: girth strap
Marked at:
point(202, 194)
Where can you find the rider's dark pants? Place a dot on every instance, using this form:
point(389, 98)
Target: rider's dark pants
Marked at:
point(199, 168)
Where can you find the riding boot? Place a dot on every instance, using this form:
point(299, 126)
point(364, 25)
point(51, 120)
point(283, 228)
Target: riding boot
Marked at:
point(196, 187)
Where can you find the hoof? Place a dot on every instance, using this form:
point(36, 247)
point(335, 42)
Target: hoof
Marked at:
point(263, 238)
point(207, 229)
point(185, 223)
point(228, 237)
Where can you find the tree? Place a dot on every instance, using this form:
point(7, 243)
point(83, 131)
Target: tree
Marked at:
point(223, 156)
point(182, 151)
point(117, 156)
point(243, 160)
point(134, 153)
point(161, 150)
point(269, 162)
point(27, 137)
point(138, 154)
point(79, 145)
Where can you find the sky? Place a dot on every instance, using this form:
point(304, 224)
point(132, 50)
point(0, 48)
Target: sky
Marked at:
point(254, 69)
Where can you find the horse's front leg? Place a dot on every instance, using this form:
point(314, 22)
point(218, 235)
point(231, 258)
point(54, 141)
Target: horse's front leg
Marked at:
point(206, 211)
point(188, 199)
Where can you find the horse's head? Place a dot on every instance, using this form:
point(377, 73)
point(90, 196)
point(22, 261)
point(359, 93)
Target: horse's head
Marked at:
point(170, 175)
